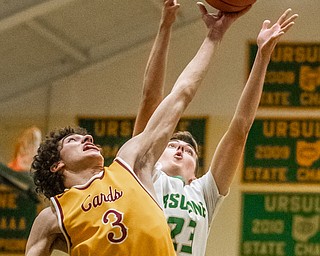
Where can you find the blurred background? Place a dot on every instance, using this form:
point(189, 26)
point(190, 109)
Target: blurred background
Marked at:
point(62, 59)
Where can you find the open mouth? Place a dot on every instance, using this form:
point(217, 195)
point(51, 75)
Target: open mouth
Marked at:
point(90, 147)
point(178, 156)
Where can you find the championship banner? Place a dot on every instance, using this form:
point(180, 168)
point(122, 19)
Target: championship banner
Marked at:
point(283, 150)
point(18, 208)
point(280, 224)
point(17, 213)
point(112, 132)
point(293, 75)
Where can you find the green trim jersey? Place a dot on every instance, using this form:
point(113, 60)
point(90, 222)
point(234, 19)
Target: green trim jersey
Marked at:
point(113, 214)
point(189, 209)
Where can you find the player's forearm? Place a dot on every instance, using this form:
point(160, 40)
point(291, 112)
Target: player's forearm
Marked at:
point(153, 84)
point(222, 167)
point(185, 88)
point(195, 71)
point(251, 95)
point(163, 122)
point(156, 67)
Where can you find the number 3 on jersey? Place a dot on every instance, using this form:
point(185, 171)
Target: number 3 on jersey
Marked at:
point(115, 220)
point(177, 226)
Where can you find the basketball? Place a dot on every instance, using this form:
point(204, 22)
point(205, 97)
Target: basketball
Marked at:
point(230, 5)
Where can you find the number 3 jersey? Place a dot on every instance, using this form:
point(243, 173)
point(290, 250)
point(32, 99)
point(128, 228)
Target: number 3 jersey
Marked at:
point(189, 209)
point(113, 214)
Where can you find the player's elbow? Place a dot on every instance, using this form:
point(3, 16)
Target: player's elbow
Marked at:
point(241, 125)
point(185, 93)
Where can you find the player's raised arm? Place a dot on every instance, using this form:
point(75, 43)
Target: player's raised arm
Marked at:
point(229, 151)
point(154, 76)
point(160, 127)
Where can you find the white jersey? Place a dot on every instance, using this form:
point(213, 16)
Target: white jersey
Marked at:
point(189, 210)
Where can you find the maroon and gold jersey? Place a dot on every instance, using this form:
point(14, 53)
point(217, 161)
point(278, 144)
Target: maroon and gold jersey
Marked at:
point(113, 214)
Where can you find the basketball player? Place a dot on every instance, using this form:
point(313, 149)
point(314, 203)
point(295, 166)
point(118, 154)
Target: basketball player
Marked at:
point(112, 211)
point(190, 204)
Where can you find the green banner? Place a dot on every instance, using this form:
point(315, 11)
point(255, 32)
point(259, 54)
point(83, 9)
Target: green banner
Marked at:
point(280, 224)
point(293, 76)
point(18, 208)
point(280, 150)
point(17, 213)
point(112, 132)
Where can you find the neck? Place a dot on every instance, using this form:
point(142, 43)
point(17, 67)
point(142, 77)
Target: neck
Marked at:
point(80, 177)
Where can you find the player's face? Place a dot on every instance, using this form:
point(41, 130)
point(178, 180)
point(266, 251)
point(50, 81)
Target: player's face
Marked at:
point(79, 152)
point(179, 159)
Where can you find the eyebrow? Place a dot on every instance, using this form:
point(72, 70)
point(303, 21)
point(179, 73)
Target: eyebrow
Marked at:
point(64, 138)
point(68, 135)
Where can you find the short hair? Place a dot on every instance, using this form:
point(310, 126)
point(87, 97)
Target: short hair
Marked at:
point(188, 138)
point(47, 182)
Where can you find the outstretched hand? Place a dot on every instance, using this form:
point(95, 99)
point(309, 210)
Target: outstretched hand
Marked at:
point(269, 36)
point(169, 11)
point(220, 22)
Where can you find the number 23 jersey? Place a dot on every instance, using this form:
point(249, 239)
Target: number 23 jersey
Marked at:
point(189, 209)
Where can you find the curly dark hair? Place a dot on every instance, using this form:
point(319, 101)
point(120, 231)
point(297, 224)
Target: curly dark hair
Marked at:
point(47, 182)
point(188, 138)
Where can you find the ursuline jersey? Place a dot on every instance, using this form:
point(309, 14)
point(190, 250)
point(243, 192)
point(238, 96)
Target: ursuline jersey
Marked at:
point(189, 210)
point(113, 214)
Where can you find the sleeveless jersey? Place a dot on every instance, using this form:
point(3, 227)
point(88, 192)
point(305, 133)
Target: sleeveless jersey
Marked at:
point(113, 214)
point(189, 210)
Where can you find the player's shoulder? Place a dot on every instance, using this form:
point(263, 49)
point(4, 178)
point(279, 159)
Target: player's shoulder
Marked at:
point(46, 212)
point(48, 218)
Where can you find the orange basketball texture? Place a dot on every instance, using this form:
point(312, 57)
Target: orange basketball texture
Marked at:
point(230, 5)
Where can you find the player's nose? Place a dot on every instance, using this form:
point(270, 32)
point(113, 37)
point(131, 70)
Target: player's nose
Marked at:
point(87, 138)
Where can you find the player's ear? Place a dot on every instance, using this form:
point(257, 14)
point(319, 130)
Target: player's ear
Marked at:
point(57, 166)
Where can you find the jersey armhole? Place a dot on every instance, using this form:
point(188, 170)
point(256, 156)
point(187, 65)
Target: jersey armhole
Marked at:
point(59, 215)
